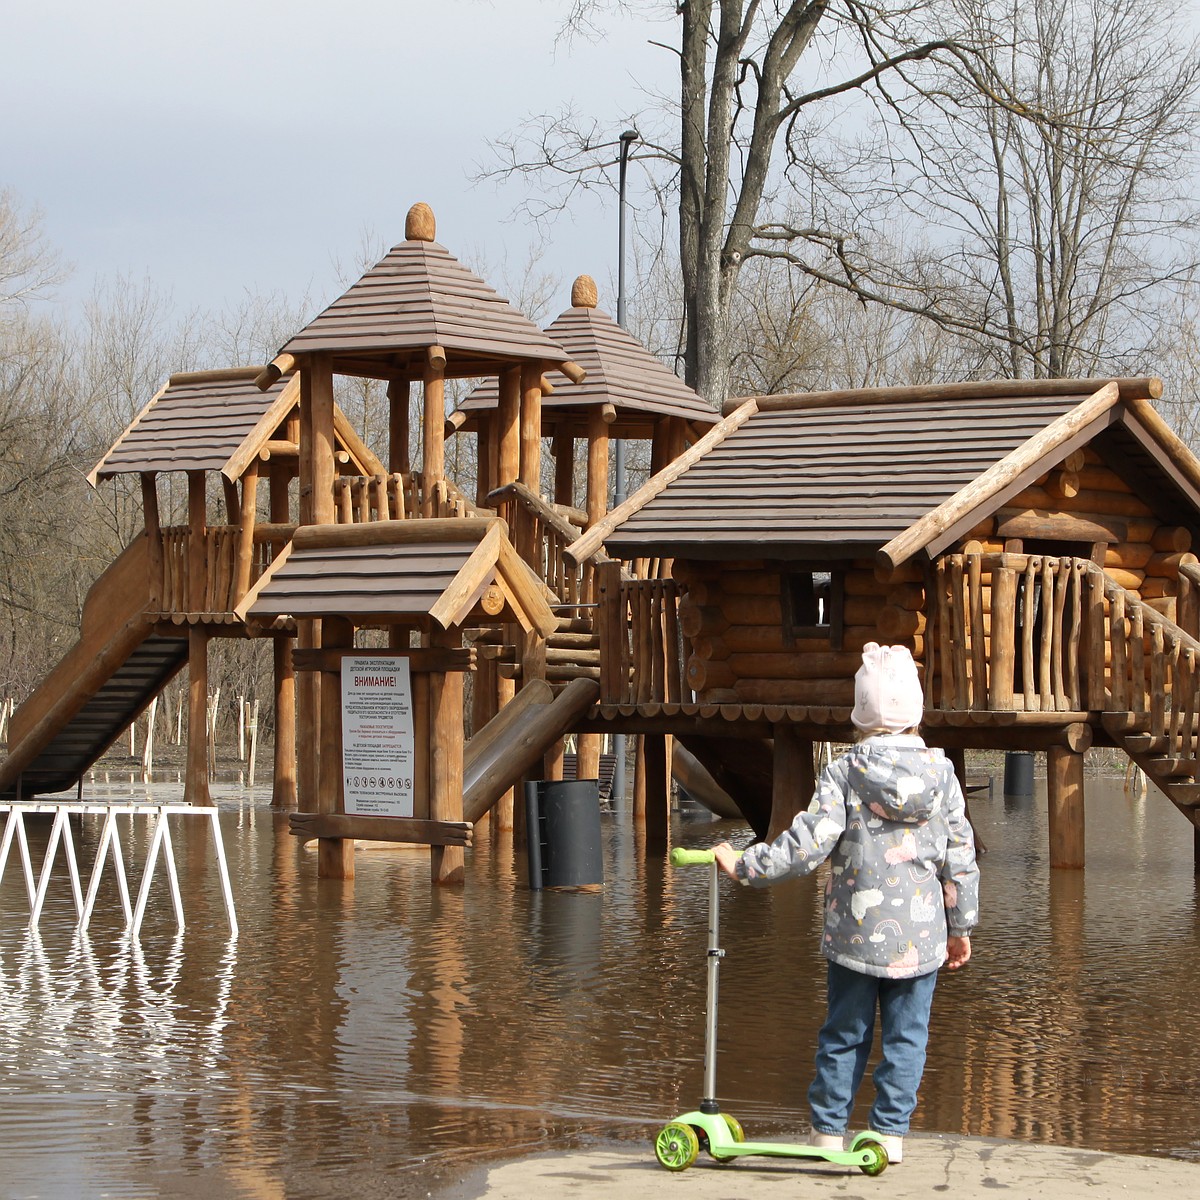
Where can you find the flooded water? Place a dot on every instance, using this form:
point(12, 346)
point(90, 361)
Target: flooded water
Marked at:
point(383, 1036)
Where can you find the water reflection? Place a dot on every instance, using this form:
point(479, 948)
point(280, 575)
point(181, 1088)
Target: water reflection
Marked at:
point(380, 1034)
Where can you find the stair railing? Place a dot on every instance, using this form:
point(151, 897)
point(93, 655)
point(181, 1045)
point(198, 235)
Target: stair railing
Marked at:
point(642, 656)
point(1153, 664)
point(533, 523)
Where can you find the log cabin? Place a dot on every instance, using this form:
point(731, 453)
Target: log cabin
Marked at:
point(1029, 541)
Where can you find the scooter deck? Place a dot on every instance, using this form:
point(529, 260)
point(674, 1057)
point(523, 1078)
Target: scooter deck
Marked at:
point(679, 1142)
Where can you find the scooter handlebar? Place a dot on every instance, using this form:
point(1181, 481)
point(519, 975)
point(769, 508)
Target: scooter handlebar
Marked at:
point(690, 858)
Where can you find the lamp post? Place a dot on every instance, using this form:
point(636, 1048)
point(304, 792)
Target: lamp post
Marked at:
point(627, 139)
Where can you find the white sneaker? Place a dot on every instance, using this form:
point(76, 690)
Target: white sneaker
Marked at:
point(826, 1141)
point(892, 1143)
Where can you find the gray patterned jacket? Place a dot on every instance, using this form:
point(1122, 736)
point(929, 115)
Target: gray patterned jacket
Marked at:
point(890, 816)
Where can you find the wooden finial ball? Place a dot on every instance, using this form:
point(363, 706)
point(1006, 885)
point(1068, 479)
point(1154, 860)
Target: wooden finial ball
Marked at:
point(419, 225)
point(583, 292)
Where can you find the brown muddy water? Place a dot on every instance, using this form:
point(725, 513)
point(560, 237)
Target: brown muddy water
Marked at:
point(382, 1038)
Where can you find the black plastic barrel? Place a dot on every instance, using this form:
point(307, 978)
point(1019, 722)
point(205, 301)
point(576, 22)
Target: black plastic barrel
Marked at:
point(1018, 773)
point(562, 829)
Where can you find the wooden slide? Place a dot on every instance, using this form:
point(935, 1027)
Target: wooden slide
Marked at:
point(103, 682)
point(513, 741)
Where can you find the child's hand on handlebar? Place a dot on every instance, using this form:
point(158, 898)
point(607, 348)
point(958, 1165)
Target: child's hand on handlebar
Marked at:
point(727, 858)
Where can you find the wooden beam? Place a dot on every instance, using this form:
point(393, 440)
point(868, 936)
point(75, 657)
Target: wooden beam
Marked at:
point(994, 479)
point(381, 829)
point(399, 394)
point(395, 533)
point(1150, 387)
point(420, 658)
point(270, 375)
point(317, 392)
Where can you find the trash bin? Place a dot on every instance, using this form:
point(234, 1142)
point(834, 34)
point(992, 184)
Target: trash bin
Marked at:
point(562, 830)
point(1018, 773)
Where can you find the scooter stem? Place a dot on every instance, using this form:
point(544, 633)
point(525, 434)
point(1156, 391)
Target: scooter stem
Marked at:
point(709, 1102)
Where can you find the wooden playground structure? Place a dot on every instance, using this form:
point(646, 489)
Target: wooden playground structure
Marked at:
point(1030, 541)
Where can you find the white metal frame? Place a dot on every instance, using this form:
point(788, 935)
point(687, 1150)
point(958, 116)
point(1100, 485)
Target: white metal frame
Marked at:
point(110, 842)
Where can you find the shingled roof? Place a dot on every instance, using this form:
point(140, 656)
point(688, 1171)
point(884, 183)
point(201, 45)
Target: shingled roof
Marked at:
point(840, 473)
point(214, 421)
point(392, 571)
point(419, 295)
point(620, 371)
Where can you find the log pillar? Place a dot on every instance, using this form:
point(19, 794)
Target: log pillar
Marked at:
point(335, 856)
point(284, 793)
point(283, 787)
point(596, 501)
point(195, 780)
point(1064, 800)
point(197, 542)
point(247, 514)
point(433, 431)
point(793, 780)
point(446, 760)
point(154, 546)
point(503, 814)
point(654, 767)
point(399, 394)
point(564, 469)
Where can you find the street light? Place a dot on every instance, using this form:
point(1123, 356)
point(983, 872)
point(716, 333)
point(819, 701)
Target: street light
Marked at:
point(619, 486)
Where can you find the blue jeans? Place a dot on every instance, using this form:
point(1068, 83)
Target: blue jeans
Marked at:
point(845, 1043)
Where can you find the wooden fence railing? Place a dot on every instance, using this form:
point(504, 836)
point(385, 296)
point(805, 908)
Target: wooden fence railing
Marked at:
point(220, 590)
point(1038, 633)
point(642, 658)
point(396, 497)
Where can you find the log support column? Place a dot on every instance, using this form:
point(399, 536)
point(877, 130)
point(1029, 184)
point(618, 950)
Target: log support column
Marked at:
point(653, 785)
point(1064, 798)
point(195, 782)
point(446, 761)
point(335, 856)
point(793, 780)
point(283, 788)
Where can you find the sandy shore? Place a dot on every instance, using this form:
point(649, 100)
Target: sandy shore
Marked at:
point(933, 1164)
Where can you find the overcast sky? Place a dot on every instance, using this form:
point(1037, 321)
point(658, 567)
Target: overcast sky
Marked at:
point(253, 145)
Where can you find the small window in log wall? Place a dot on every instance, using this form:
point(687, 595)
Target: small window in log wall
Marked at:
point(812, 604)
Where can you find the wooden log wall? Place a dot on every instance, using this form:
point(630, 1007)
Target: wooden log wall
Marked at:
point(731, 619)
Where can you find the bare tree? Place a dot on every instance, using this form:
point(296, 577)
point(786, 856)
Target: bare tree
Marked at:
point(1048, 189)
point(755, 78)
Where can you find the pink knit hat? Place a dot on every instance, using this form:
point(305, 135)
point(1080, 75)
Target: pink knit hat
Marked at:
point(887, 690)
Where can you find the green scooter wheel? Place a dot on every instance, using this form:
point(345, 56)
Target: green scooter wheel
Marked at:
point(676, 1146)
point(879, 1159)
point(735, 1132)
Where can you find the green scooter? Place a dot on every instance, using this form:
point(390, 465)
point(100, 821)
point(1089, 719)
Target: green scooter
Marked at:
point(680, 1141)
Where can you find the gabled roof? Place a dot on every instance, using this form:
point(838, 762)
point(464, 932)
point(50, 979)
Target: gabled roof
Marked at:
point(451, 571)
point(842, 473)
point(620, 372)
point(417, 296)
point(215, 421)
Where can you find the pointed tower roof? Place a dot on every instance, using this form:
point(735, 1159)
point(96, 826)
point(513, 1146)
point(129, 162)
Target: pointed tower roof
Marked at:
point(620, 372)
point(417, 296)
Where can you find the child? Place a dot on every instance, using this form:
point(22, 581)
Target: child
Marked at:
point(900, 901)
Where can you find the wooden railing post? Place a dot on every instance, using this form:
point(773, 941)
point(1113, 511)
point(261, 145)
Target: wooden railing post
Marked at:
point(1004, 616)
